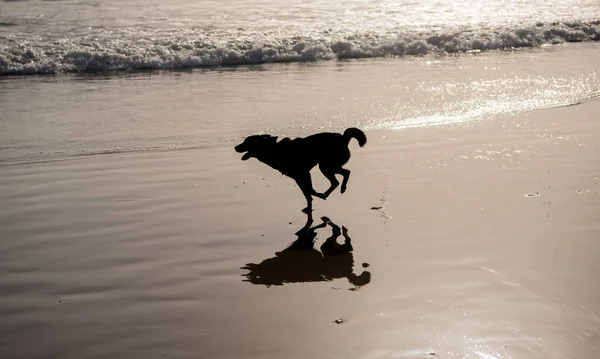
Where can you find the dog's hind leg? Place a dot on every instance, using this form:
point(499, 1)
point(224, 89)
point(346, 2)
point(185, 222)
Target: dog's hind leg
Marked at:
point(346, 173)
point(330, 175)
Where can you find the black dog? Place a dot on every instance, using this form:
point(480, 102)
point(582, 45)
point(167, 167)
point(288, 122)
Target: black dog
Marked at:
point(295, 158)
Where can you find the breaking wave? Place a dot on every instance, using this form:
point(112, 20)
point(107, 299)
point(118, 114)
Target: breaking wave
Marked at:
point(20, 57)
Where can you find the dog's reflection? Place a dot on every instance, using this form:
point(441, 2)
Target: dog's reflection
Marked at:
point(301, 262)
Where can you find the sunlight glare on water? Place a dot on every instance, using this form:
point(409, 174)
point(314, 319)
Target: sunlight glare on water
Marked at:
point(483, 92)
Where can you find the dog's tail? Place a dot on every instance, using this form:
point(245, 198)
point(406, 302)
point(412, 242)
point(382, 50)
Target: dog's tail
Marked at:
point(353, 132)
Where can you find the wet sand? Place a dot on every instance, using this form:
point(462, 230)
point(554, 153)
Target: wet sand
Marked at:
point(486, 245)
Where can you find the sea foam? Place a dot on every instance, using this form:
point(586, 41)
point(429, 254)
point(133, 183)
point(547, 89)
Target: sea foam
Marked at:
point(190, 50)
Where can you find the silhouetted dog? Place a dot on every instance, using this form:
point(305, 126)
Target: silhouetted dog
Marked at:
point(295, 158)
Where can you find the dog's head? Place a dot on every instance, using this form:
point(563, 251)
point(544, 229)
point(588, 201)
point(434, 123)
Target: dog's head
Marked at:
point(255, 145)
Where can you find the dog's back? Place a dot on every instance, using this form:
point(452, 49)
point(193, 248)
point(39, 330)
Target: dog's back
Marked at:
point(334, 139)
point(303, 153)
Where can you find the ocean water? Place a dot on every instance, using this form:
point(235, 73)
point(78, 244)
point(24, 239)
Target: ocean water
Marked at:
point(82, 36)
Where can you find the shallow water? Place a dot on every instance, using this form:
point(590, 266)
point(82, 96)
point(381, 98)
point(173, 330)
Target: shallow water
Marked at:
point(48, 118)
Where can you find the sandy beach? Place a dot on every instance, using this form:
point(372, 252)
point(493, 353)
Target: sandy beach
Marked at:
point(478, 240)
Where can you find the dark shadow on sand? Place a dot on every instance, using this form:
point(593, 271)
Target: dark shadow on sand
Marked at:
point(301, 262)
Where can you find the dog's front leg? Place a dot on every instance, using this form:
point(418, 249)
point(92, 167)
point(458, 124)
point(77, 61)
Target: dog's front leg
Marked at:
point(305, 183)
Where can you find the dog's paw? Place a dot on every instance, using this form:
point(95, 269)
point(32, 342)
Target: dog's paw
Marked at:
point(320, 195)
point(343, 189)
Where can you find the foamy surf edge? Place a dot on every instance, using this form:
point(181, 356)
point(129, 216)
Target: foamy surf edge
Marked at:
point(85, 56)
